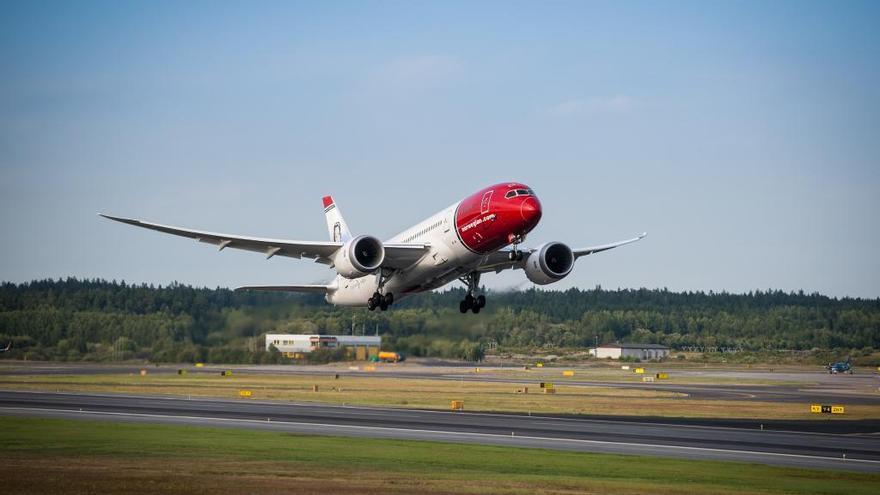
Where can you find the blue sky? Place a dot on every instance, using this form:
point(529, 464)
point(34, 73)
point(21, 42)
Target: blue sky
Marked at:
point(743, 136)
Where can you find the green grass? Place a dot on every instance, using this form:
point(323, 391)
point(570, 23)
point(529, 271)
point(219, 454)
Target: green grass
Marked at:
point(75, 456)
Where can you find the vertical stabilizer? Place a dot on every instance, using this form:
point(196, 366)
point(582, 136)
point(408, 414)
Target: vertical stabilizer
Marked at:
point(336, 225)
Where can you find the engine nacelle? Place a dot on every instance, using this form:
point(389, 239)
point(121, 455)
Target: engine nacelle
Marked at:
point(359, 256)
point(549, 263)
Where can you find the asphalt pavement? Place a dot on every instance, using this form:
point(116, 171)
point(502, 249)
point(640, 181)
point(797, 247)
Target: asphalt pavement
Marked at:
point(806, 449)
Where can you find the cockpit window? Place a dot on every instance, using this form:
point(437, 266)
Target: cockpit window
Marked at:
point(519, 192)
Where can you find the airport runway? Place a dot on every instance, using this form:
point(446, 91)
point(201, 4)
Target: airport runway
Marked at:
point(838, 389)
point(856, 452)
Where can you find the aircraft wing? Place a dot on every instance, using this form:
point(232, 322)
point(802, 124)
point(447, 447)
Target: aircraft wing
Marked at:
point(314, 289)
point(499, 260)
point(399, 256)
point(605, 247)
point(396, 255)
point(318, 251)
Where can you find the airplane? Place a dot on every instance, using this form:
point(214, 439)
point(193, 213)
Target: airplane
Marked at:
point(840, 367)
point(8, 346)
point(480, 234)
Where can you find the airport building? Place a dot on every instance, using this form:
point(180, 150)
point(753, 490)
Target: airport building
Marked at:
point(638, 351)
point(360, 347)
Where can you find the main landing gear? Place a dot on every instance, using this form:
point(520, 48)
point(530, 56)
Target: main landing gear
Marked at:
point(380, 301)
point(474, 304)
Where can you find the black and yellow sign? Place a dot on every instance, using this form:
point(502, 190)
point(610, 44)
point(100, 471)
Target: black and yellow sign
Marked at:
point(825, 409)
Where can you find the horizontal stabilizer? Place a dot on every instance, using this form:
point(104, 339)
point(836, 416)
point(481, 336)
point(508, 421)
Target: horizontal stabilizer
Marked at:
point(315, 289)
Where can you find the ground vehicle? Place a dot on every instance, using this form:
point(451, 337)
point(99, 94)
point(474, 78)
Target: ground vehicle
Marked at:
point(840, 367)
point(391, 357)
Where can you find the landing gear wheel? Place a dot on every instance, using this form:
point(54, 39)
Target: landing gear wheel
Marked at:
point(383, 305)
point(375, 301)
point(472, 280)
point(388, 299)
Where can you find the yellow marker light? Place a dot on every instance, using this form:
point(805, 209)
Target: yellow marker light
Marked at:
point(568, 373)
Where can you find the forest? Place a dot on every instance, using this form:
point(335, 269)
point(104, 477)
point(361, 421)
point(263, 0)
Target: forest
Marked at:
point(98, 320)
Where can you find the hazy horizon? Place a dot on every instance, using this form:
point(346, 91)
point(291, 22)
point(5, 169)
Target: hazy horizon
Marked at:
point(743, 137)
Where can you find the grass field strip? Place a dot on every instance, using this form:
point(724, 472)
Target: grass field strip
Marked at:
point(874, 465)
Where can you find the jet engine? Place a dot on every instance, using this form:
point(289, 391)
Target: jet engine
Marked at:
point(359, 256)
point(549, 263)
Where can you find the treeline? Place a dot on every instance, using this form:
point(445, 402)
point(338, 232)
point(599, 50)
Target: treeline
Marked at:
point(105, 321)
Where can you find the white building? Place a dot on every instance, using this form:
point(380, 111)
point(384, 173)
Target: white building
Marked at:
point(291, 345)
point(639, 351)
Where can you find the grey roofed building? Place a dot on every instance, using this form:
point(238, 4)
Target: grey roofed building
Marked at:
point(640, 351)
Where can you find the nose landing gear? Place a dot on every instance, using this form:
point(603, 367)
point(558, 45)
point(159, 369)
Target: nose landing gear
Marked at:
point(474, 304)
point(516, 254)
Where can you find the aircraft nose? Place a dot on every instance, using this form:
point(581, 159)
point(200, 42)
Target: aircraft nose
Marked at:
point(530, 210)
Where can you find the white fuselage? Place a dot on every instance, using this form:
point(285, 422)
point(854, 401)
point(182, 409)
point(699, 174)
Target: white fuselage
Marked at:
point(446, 260)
